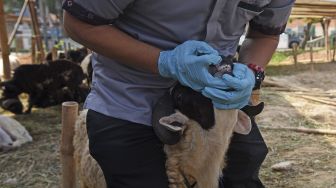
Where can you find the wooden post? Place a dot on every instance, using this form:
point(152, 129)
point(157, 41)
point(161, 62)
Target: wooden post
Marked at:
point(334, 48)
point(36, 28)
point(69, 116)
point(311, 54)
point(33, 50)
point(327, 38)
point(311, 59)
point(54, 53)
point(4, 43)
point(295, 48)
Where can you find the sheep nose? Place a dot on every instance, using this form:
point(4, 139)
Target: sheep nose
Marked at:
point(10, 144)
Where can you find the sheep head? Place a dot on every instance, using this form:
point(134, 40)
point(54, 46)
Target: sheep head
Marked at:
point(175, 109)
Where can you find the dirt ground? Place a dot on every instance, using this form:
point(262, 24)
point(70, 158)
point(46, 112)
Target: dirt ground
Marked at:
point(305, 99)
point(302, 98)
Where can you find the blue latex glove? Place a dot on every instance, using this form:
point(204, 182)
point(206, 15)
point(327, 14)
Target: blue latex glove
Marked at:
point(189, 64)
point(241, 85)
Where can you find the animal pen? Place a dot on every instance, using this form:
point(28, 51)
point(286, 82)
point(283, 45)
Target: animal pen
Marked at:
point(37, 47)
point(303, 9)
point(36, 38)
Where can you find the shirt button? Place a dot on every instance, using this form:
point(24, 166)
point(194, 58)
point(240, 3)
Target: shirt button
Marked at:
point(70, 3)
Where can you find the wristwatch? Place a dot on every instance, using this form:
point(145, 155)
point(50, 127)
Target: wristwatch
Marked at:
point(259, 73)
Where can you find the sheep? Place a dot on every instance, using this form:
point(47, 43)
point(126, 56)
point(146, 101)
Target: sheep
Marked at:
point(12, 134)
point(75, 56)
point(44, 83)
point(89, 173)
point(198, 157)
point(60, 55)
point(80, 56)
point(201, 149)
point(201, 133)
point(13, 61)
point(86, 65)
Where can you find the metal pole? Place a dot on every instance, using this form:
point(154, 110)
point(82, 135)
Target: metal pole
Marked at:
point(4, 43)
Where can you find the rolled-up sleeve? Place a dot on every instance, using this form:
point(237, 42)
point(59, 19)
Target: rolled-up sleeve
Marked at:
point(96, 12)
point(273, 20)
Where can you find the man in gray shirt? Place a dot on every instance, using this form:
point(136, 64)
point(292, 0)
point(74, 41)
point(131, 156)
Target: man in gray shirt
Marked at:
point(141, 47)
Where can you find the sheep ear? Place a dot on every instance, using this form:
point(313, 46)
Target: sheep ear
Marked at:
point(169, 128)
point(174, 122)
point(243, 125)
point(167, 125)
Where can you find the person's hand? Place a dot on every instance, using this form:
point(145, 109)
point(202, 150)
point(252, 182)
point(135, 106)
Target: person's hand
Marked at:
point(189, 64)
point(241, 84)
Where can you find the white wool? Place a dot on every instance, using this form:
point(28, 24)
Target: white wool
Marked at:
point(14, 63)
point(85, 63)
point(15, 131)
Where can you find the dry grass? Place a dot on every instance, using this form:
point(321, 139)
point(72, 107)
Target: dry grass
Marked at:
point(35, 164)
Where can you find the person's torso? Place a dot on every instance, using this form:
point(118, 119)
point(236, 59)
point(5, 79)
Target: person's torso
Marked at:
point(130, 94)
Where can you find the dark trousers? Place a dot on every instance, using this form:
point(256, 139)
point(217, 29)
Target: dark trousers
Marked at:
point(131, 156)
point(244, 158)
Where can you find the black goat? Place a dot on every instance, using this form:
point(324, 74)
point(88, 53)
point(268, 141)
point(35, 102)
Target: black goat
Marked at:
point(46, 84)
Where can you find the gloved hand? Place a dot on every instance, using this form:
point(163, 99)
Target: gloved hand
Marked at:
point(241, 85)
point(189, 63)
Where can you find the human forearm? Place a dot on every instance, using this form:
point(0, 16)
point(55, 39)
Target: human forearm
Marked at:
point(113, 43)
point(258, 48)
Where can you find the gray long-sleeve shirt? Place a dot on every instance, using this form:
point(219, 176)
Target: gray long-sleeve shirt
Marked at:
point(127, 93)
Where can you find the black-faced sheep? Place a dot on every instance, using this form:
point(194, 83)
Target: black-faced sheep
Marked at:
point(46, 84)
point(199, 156)
point(196, 158)
point(12, 134)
